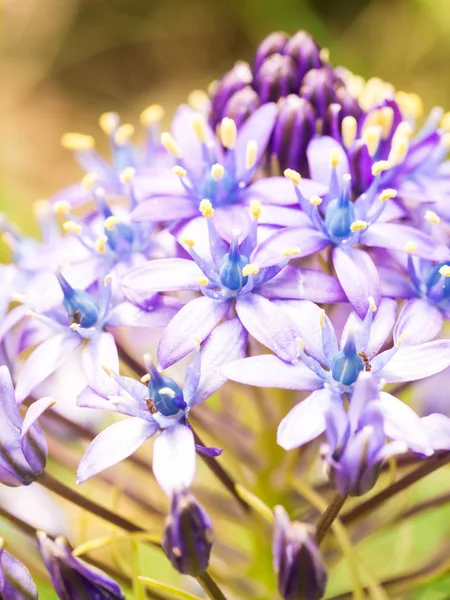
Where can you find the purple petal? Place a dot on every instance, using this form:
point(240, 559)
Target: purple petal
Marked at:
point(415, 362)
point(303, 284)
point(319, 159)
point(305, 421)
point(382, 324)
point(163, 275)
point(437, 427)
point(209, 451)
point(358, 276)
point(75, 194)
point(268, 370)
point(394, 284)
point(16, 581)
point(269, 324)
point(395, 237)
point(165, 208)
point(419, 321)
point(8, 402)
point(113, 445)
point(32, 439)
point(89, 398)
point(126, 314)
point(34, 412)
point(306, 240)
point(174, 458)
point(100, 352)
point(195, 320)
point(281, 192)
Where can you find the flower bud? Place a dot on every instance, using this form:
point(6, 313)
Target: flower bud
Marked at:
point(294, 128)
point(235, 79)
point(277, 77)
point(241, 105)
point(15, 579)
point(74, 579)
point(305, 51)
point(272, 44)
point(298, 564)
point(360, 167)
point(319, 87)
point(187, 538)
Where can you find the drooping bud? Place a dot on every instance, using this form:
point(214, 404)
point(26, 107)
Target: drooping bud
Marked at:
point(235, 79)
point(15, 579)
point(276, 78)
point(74, 579)
point(164, 395)
point(298, 564)
point(187, 538)
point(294, 128)
point(305, 51)
point(81, 307)
point(272, 44)
point(241, 105)
point(319, 88)
point(231, 268)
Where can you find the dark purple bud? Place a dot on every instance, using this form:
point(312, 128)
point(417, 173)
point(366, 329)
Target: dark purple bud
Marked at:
point(15, 579)
point(272, 44)
point(360, 167)
point(305, 51)
point(298, 564)
point(187, 538)
point(277, 77)
point(74, 579)
point(319, 87)
point(294, 128)
point(241, 105)
point(235, 79)
point(350, 105)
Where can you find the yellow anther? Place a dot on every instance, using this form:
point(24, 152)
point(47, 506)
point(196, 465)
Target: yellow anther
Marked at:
point(206, 208)
point(445, 122)
point(251, 154)
point(152, 114)
point(196, 342)
point(291, 251)
point(432, 217)
point(228, 133)
point(380, 166)
point(322, 318)
point(250, 269)
point(372, 304)
point(371, 137)
point(178, 170)
point(399, 149)
point(74, 326)
point(123, 134)
point(31, 313)
point(77, 141)
point(187, 241)
point(386, 121)
point(170, 144)
point(387, 194)
point(198, 123)
point(89, 181)
point(198, 99)
point(410, 246)
point(335, 157)
point(145, 378)
point(301, 344)
point(324, 55)
point(445, 139)
point(41, 208)
point(202, 280)
point(100, 244)
point(255, 209)
point(315, 200)
point(111, 222)
point(401, 339)
point(127, 174)
point(294, 176)
point(109, 122)
point(72, 227)
point(349, 128)
point(107, 370)
point(410, 104)
point(358, 226)
point(107, 280)
point(373, 118)
point(217, 172)
point(404, 129)
point(444, 271)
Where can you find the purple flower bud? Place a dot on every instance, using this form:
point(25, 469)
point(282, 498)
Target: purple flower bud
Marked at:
point(272, 44)
point(187, 538)
point(235, 79)
point(277, 77)
point(319, 87)
point(349, 104)
point(297, 560)
point(294, 128)
point(360, 167)
point(241, 105)
point(72, 578)
point(305, 51)
point(15, 579)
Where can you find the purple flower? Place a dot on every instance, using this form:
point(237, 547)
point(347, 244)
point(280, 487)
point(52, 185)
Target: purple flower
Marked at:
point(15, 579)
point(298, 564)
point(187, 538)
point(331, 370)
point(74, 579)
point(23, 448)
point(162, 406)
point(230, 277)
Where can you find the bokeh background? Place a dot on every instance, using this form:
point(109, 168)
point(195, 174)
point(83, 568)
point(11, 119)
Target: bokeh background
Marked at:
point(66, 61)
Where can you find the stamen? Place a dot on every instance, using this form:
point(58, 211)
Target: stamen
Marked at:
point(77, 141)
point(198, 124)
point(387, 194)
point(187, 241)
point(152, 114)
point(301, 344)
point(315, 200)
point(206, 208)
point(358, 226)
point(432, 217)
point(291, 251)
point(178, 170)
point(89, 180)
point(250, 269)
point(202, 280)
point(255, 209)
point(401, 339)
point(198, 99)
point(386, 121)
point(145, 378)
point(41, 208)
point(228, 133)
point(373, 306)
point(371, 137)
point(72, 227)
point(349, 128)
point(445, 122)
point(196, 341)
point(127, 175)
point(410, 104)
point(404, 129)
point(335, 157)
point(111, 222)
point(444, 271)
point(410, 246)
point(399, 149)
point(322, 318)
point(107, 280)
point(109, 122)
point(294, 176)
point(251, 154)
point(217, 172)
point(123, 134)
point(380, 166)
point(100, 244)
point(170, 144)
point(324, 55)
point(74, 326)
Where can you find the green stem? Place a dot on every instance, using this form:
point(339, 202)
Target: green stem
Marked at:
point(327, 518)
point(210, 586)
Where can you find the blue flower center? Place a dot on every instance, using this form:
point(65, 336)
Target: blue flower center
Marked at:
point(340, 214)
point(165, 395)
point(230, 271)
point(81, 307)
point(347, 364)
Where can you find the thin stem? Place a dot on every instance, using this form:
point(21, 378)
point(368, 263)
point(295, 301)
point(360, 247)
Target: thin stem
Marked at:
point(327, 518)
point(429, 466)
point(210, 586)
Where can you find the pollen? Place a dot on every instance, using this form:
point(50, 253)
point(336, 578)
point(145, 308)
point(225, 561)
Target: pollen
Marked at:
point(445, 271)
point(178, 170)
point(404, 129)
point(301, 344)
point(41, 208)
point(251, 154)
point(349, 128)
point(123, 134)
point(72, 227)
point(322, 318)
point(372, 304)
point(152, 114)
point(291, 251)
point(386, 121)
point(202, 280)
point(250, 269)
point(399, 149)
point(445, 122)
point(217, 172)
point(371, 137)
point(228, 133)
point(358, 226)
point(198, 124)
point(170, 144)
point(127, 175)
point(77, 141)
point(100, 244)
point(111, 222)
point(107, 280)
point(198, 99)
point(410, 104)
point(255, 209)
point(401, 339)
point(187, 241)
point(206, 208)
point(335, 157)
point(145, 378)
point(432, 217)
point(387, 194)
point(380, 166)
point(294, 176)
point(74, 326)
point(315, 200)
point(410, 246)
point(109, 122)
point(89, 180)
